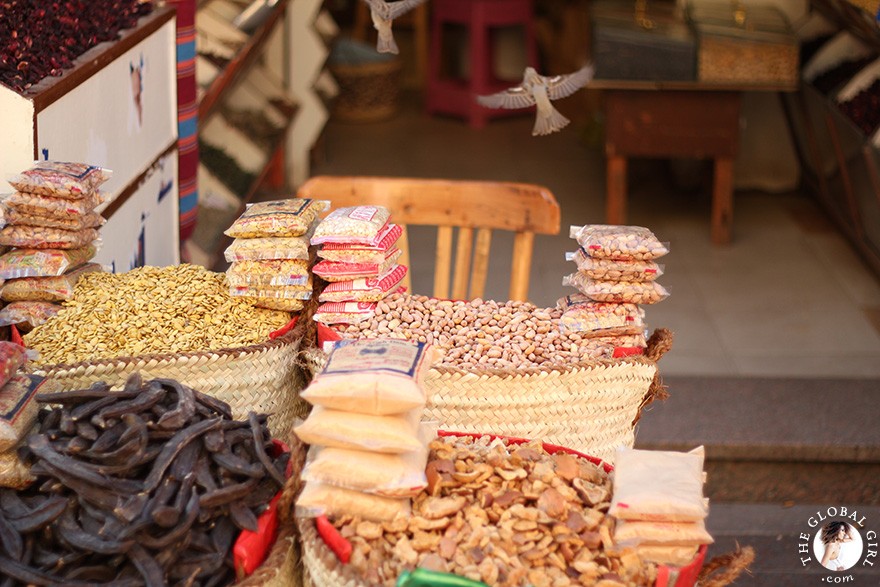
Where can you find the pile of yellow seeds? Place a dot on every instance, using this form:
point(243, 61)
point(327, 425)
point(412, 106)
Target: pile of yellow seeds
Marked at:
point(175, 309)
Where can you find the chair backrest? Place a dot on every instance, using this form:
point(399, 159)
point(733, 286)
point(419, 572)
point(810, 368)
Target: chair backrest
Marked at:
point(474, 207)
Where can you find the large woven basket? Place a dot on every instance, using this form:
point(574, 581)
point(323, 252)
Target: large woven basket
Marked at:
point(323, 569)
point(265, 378)
point(591, 406)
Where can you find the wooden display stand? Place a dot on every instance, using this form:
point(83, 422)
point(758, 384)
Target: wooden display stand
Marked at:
point(115, 108)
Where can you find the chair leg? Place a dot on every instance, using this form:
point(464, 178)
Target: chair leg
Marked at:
point(362, 22)
point(480, 69)
point(420, 28)
point(435, 58)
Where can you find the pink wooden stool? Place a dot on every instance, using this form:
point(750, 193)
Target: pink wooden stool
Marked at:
point(458, 97)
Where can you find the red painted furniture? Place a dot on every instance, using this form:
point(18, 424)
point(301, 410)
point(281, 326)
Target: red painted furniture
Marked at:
point(446, 95)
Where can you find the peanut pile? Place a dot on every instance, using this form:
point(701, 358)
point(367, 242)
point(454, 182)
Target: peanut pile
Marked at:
point(505, 515)
point(482, 334)
point(175, 309)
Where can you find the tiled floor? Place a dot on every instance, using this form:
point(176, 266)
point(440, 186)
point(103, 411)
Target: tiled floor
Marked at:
point(788, 298)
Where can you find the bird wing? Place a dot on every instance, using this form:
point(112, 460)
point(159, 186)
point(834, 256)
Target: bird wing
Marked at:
point(516, 97)
point(395, 9)
point(560, 86)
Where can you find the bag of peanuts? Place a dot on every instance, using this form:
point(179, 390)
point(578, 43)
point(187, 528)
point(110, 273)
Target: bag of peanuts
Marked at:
point(624, 243)
point(384, 434)
point(27, 315)
point(39, 237)
point(364, 290)
point(18, 408)
point(334, 271)
point(318, 499)
point(344, 312)
point(19, 263)
point(379, 376)
point(617, 292)
point(74, 222)
point(51, 207)
point(581, 314)
point(357, 225)
point(614, 270)
point(267, 248)
point(269, 272)
point(292, 217)
point(348, 253)
point(45, 289)
point(61, 179)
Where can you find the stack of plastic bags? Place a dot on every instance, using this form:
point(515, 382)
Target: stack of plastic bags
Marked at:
point(616, 273)
point(658, 504)
point(269, 256)
point(52, 223)
point(359, 260)
point(18, 413)
point(368, 449)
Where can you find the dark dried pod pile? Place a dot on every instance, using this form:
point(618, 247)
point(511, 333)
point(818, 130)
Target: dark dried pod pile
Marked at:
point(144, 486)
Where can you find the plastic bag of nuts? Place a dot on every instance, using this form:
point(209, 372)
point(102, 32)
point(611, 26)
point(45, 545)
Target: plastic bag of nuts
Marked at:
point(334, 271)
point(625, 243)
point(358, 225)
point(344, 312)
point(280, 304)
point(364, 290)
point(266, 248)
point(18, 408)
point(27, 315)
point(40, 237)
point(48, 206)
point(291, 217)
point(272, 292)
point(615, 270)
point(45, 289)
point(600, 318)
point(617, 292)
point(12, 358)
point(348, 253)
point(74, 222)
point(43, 262)
point(269, 272)
point(61, 179)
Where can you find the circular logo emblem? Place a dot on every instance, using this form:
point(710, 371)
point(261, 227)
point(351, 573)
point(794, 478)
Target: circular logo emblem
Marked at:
point(838, 545)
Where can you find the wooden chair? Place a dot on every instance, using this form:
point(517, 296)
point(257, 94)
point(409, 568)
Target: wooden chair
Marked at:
point(474, 207)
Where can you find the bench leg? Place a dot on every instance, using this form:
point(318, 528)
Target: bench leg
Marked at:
point(615, 203)
point(722, 201)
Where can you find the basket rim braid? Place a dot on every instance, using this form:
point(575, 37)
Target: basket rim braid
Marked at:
point(324, 569)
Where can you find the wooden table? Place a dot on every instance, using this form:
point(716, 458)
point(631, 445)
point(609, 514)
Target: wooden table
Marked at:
point(673, 119)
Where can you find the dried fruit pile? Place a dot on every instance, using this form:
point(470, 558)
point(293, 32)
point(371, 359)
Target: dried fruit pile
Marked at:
point(39, 38)
point(504, 515)
point(141, 486)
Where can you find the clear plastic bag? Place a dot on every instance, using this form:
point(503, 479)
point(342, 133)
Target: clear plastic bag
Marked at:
point(660, 486)
point(334, 271)
point(376, 376)
point(61, 179)
point(396, 434)
point(344, 312)
point(348, 253)
point(614, 270)
point(617, 292)
point(47, 206)
point(319, 499)
point(272, 292)
point(45, 289)
point(364, 290)
point(281, 304)
point(13, 472)
point(269, 272)
point(40, 237)
point(360, 225)
point(600, 318)
point(266, 248)
point(72, 222)
point(632, 533)
point(291, 217)
point(12, 358)
point(43, 262)
point(607, 241)
point(27, 315)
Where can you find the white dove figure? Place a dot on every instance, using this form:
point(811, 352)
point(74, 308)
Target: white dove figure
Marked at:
point(385, 12)
point(537, 89)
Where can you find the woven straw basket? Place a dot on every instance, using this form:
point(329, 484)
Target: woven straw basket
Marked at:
point(591, 407)
point(265, 378)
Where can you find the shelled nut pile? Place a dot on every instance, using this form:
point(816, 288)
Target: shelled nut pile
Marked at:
point(480, 334)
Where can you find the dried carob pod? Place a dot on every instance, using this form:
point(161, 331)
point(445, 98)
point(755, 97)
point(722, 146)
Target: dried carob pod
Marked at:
point(144, 486)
